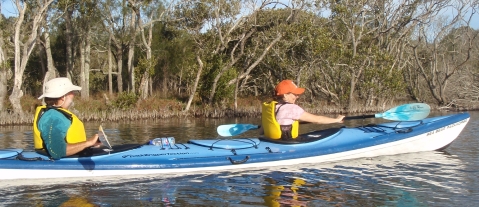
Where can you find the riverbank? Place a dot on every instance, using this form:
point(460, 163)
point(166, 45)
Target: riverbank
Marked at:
point(101, 108)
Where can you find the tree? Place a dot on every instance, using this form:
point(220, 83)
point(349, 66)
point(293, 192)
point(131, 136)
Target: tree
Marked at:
point(114, 14)
point(5, 72)
point(440, 50)
point(153, 15)
point(24, 49)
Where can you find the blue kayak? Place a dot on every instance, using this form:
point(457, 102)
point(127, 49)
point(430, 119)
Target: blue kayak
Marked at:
point(224, 154)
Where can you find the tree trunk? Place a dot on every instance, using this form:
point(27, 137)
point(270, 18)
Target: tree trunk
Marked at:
point(197, 80)
point(68, 41)
point(119, 65)
point(86, 89)
point(82, 68)
point(3, 84)
point(23, 50)
point(4, 71)
point(145, 79)
point(110, 69)
point(131, 53)
point(51, 70)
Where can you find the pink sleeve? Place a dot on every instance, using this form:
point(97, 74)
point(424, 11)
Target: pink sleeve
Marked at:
point(289, 113)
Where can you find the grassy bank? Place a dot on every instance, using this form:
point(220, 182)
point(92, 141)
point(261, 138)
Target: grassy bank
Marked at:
point(104, 108)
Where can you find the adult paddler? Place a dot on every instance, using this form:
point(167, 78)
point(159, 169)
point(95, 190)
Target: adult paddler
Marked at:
point(57, 131)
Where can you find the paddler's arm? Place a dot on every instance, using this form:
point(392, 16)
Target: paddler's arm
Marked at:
point(72, 149)
point(307, 117)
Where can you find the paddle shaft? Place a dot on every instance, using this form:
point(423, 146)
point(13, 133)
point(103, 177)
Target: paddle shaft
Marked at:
point(359, 117)
point(405, 112)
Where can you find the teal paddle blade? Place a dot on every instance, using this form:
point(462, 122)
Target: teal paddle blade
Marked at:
point(234, 129)
point(406, 112)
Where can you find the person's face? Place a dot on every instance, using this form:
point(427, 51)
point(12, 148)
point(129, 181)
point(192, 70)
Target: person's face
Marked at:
point(291, 97)
point(68, 99)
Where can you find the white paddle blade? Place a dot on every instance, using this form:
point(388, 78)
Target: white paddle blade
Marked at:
point(407, 112)
point(234, 129)
point(103, 138)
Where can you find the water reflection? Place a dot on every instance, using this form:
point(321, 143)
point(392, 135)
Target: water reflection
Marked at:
point(285, 194)
point(77, 201)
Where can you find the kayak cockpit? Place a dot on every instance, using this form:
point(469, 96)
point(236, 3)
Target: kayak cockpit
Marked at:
point(305, 138)
point(39, 155)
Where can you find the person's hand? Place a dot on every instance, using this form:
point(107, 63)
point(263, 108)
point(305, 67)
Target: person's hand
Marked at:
point(94, 141)
point(340, 118)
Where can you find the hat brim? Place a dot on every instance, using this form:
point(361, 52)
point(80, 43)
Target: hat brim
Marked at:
point(298, 91)
point(60, 93)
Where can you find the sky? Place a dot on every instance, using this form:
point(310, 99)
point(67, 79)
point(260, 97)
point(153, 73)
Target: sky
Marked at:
point(8, 9)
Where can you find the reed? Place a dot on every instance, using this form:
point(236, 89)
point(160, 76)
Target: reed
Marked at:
point(7, 118)
point(100, 108)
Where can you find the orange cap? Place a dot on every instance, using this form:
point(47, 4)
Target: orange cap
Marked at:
point(287, 86)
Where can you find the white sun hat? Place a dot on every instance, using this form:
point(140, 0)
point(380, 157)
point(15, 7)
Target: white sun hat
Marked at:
point(58, 87)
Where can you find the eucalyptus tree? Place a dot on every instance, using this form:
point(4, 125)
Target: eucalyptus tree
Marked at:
point(205, 20)
point(68, 7)
point(115, 18)
point(442, 46)
point(51, 69)
point(132, 32)
point(87, 20)
point(372, 34)
point(30, 16)
point(222, 30)
point(49, 26)
point(147, 14)
point(304, 54)
point(5, 71)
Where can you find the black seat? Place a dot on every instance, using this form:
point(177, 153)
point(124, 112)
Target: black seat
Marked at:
point(305, 138)
point(89, 152)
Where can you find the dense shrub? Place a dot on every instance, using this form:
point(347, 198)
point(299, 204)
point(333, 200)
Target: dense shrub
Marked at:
point(125, 100)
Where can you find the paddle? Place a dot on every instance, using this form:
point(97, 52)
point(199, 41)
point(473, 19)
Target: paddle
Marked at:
point(406, 112)
point(103, 138)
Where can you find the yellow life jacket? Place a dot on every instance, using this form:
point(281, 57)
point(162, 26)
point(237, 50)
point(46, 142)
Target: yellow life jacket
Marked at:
point(270, 125)
point(76, 132)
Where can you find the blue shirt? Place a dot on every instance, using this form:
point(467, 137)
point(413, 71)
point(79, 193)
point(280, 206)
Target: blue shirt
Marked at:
point(53, 127)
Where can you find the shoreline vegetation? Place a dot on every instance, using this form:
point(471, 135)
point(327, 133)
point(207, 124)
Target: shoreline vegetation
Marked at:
point(100, 108)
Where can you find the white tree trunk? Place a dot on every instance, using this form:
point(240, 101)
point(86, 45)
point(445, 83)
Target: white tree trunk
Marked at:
point(110, 68)
point(82, 68)
point(131, 53)
point(51, 70)
point(197, 80)
point(24, 49)
point(86, 89)
point(4, 71)
point(3, 85)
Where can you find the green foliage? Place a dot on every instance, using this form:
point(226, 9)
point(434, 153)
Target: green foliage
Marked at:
point(173, 49)
point(125, 100)
point(98, 82)
point(145, 65)
point(321, 53)
point(223, 91)
point(381, 79)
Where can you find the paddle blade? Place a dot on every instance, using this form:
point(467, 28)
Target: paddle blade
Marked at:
point(234, 129)
point(103, 138)
point(406, 112)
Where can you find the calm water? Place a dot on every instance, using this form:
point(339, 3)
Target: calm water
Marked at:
point(447, 178)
